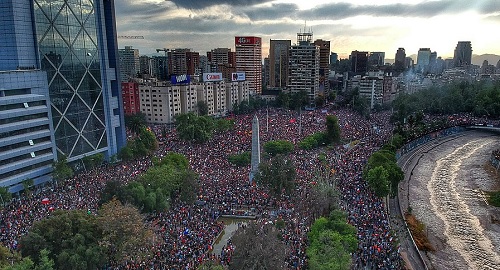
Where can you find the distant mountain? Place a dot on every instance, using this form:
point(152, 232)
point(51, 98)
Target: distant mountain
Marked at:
point(478, 59)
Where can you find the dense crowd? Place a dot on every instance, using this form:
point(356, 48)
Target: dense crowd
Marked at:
point(188, 231)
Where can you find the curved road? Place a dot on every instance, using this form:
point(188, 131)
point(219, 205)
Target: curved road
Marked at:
point(444, 184)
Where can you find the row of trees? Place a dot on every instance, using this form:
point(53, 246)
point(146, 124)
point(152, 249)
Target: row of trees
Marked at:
point(480, 98)
point(168, 179)
point(81, 240)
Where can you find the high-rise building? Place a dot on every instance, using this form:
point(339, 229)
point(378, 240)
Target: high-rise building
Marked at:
point(359, 62)
point(145, 69)
point(183, 61)
point(130, 95)
point(376, 59)
point(334, 58)
point(62, 53)
point(159, 67)
point(324, 64)
point(249, 60)
point(303, 69)
point(129, 63)
point(423, 60)
point(278, 62)
point(222, 60)
point(399, 60)
point(463, 54)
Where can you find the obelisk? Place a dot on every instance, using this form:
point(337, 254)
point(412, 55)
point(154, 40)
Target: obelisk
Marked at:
point(254, 169)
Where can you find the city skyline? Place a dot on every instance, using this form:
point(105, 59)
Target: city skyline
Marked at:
point(357, 25)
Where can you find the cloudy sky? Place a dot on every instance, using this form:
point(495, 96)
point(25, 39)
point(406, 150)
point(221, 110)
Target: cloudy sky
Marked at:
point(382, 25)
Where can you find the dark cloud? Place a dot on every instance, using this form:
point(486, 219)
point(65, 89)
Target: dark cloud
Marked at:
point(201, 4)
point(275, 11)
point(125, 8)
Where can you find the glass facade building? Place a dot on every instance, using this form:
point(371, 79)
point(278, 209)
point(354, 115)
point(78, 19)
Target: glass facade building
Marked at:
point(77, 46)
point(59, 86)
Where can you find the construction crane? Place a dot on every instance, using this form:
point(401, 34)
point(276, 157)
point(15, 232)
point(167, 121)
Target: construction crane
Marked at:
point(131, 37)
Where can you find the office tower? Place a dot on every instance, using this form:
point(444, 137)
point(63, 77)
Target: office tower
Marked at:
point(303, 67)
point(27, 145)
point(359, 62)
point(222, 60)
point(266, 70)
point(145, 69)
point(73, 58)
point(205, 64)
point(183, 61)
point(376, 59)
point(334, 58)
point(249, 60)
point(463, 54)
point(423, 60)
point(399, 60)
point(278, 62)
point(129, 63)
point(159, 67)
point(324, 64)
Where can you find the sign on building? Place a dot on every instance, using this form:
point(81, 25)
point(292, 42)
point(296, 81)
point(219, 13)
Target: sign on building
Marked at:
point(212, 77)
point(238, 76)
point(178, 79)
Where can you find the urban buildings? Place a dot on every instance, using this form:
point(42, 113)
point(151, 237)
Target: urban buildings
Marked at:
point(324, 64)
point(359, 62)
point(69, 62)
point(183, 61)
point(400, 59)
point(159, 67)
point(129, 63)
point(423, 60)
point(463, 54)
point(278, 62)
point(304, 65)
point(249, 60)
point(130, 95)
point(376, 59)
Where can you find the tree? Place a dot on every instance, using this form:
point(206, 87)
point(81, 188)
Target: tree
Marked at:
point(258, 247)
point(93, 161)
point(5, 195)
point(378, 180)
point(210, 265)
point(125, 235)
point(136, 122)
point(332, 129)
point(61, 169)
point(331, 242)
point(71, 237)
point(191, 127)
point(274, 148)
point(277, 174)
point(241, 160)
point(45, 263)
point(202, 107)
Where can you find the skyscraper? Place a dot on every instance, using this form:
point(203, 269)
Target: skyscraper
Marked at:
point(183, 61)
point(278, 62)
point(423, 59)
point(249, 60)
point(399, 62)
point(129, 63)
point(303, 69)
point(463, 54)
point(376, 59)
point(359, 62)
point(324, 64)
point(64, 53)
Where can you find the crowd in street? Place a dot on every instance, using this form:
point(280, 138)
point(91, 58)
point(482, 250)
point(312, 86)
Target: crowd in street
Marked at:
point(187, 232)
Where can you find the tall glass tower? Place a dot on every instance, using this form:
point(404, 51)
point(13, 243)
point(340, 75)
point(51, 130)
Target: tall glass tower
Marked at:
point(78, 51)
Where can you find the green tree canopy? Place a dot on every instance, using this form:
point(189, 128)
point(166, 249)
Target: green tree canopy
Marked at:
point(61, 169)
point(332, 129)
point(135, 122)
point(191, 127)
point(241, 160)
point(277, 174)
point(378, 180)
point(281, 147)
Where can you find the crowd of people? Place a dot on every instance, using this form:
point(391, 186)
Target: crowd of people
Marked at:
point(188, 232)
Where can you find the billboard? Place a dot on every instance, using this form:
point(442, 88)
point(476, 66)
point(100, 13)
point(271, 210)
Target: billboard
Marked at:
point(212, 77)
point(177, 79)
point(238, 76)
point(247, 40)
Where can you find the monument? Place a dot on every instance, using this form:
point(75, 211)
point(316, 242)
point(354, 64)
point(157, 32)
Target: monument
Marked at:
point(254, 169)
